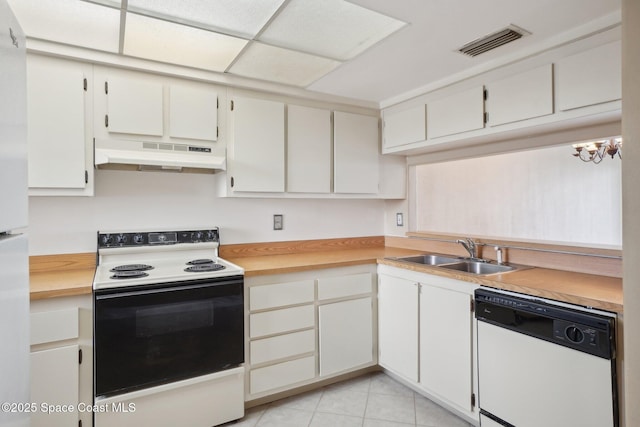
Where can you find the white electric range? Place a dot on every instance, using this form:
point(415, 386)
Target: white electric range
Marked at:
point(168, 330)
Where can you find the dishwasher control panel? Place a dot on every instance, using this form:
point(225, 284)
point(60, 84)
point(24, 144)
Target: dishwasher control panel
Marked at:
point(577, 334)
point(575, 328)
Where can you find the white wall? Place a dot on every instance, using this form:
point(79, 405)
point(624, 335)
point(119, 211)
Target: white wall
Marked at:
point(545, 194)
point(631, 181)
point(155, 200)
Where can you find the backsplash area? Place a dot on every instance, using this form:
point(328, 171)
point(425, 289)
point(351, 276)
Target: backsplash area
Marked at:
point(155, 200)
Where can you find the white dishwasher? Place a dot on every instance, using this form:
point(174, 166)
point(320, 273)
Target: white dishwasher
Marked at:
point(544, 363)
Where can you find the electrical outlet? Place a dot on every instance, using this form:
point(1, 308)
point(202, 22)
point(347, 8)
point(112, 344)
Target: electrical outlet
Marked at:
point(399, 219)
point(278, 222)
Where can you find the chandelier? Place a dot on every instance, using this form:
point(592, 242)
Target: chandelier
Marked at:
point(596, 151)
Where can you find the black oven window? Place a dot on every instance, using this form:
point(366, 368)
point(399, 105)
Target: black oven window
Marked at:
point(167, 334)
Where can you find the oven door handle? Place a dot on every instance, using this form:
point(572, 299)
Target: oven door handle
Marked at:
point(133, 293)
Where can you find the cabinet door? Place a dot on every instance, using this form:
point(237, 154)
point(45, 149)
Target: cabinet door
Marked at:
point(193, 112)
point(346, 335)
point(457, 113)
point(308, 150)
point(258, 145)
point(404, 127)
point(56, 123)
point(356, 153)
point(445, 344)
point(590, 77)
point(135, 106)
point(520, 97)
point(55, 381)
point(398, 326)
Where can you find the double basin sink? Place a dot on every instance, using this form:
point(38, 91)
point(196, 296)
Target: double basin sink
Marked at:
point(464, 265)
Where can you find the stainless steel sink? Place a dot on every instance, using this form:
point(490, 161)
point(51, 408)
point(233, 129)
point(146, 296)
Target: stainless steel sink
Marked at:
point(476, 267)
point(463, 265)
point(429, 259)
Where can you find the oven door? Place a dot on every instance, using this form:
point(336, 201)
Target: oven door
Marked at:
point(156, 334)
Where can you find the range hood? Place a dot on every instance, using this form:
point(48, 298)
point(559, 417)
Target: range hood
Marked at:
point(158, 156)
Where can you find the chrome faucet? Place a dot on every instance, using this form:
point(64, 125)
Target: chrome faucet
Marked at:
point(470, 246)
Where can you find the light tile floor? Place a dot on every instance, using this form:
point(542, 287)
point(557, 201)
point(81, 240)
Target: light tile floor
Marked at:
point(373, 400)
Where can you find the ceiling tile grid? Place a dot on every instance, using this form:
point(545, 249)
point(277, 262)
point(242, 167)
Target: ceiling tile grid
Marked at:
point(369, 50)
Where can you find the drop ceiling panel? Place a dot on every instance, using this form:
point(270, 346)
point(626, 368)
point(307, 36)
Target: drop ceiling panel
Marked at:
point(333, 28)
point(244, 18)
point(70, 22)
point(275, 64)
point(164, 41)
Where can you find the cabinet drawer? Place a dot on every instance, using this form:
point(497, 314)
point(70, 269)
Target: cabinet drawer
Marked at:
point(343, 286)
point(51, 326)
point(278, 321)
point(268, 349)
point(282, 374)
point(281, 294)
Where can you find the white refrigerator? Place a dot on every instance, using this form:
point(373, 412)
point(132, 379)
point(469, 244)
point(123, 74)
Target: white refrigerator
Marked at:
point(14, 259)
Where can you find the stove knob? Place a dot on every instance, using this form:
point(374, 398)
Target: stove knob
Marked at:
point(107, 240)
point(121, 239)
point(138, 239)
point(196, 236)
point(211, 236)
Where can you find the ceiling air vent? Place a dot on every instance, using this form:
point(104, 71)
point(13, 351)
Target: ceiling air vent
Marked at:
point(493, 41)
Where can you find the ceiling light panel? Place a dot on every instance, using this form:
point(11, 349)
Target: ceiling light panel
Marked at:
point(333, 28)
point(71, 22)
point(280, 65)
point(173, 43)
point(243, 18)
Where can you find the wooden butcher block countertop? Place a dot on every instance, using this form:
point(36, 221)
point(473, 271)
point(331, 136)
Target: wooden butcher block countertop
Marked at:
point(63, 275)
point(72, 274)
point(588, 290)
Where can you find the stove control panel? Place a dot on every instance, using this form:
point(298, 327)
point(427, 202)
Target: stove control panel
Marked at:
point(153, 238)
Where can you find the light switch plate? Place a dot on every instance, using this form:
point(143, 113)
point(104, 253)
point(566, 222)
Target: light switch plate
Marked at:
point(399, 219)
point(278, 222)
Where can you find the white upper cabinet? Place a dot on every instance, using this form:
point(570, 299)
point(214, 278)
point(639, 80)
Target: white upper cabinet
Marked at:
point(590, 77)
point(356, 153)
point(308, 150)
point(193, 112)
point(404, 127)
point(461, 112)
point(520, 97)
point(258, 145)
point(134, 106)
point(560, 89)
point(59, 110)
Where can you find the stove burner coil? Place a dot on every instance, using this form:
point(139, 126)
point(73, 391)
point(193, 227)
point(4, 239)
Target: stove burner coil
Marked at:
point(131, 267)
point(200, 261)
point(128, 274)
point(210, 266)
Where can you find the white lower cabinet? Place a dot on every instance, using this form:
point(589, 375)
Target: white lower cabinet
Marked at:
point(61, 376)
point(308, 326)
point(398, 325)
point(345, 330)
point(426, 336)
point(55, 383)
point(445, 343)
